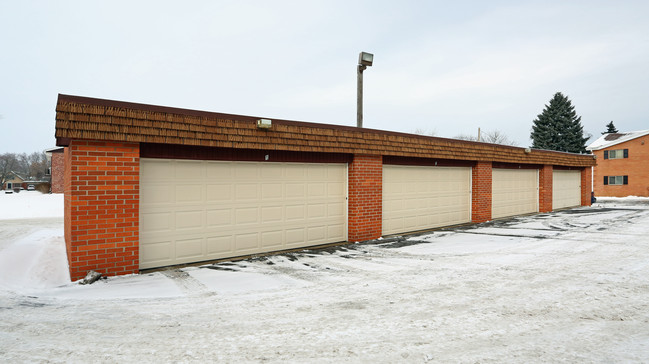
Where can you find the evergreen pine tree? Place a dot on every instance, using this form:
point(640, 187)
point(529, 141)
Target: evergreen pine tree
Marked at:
point(610, 128)
point(558, 127)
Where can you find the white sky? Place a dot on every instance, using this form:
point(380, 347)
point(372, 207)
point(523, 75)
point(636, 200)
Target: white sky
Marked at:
point(445, 67)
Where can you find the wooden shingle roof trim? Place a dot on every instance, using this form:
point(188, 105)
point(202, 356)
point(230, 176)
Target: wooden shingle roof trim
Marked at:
point(99, 119)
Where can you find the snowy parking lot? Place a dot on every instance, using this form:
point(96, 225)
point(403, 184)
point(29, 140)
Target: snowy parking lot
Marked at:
point(568, 286)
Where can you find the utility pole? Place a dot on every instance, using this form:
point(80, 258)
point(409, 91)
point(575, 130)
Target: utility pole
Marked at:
point(364, 60)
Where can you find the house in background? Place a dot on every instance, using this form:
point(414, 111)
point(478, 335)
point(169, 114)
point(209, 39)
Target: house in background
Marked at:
point(621, 168)
point(56, 169)
point(15, 181)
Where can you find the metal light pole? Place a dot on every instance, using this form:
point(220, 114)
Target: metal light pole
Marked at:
point(364, 60)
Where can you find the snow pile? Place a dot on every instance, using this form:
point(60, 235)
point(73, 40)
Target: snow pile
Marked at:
point(32, 246)
point(29, 205)
point(35, 261)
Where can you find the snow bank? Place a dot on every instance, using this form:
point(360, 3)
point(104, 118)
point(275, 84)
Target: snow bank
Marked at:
point(32, 252)
point(35, 261)
point(30, 204)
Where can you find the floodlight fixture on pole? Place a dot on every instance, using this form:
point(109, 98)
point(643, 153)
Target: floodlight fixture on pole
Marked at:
point(364, 60)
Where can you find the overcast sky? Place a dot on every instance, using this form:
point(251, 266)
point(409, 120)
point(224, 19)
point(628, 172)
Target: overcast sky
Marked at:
point(440, 66)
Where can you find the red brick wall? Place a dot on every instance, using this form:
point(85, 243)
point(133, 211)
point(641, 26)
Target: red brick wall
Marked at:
point(102, 207)
point(57, 172)
point(586, 186)
point(481, 192)
point(635, 167)
point(365, 220)
point(545, 188)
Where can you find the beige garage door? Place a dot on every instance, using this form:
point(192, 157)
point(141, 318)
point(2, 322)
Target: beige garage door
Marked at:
point(566, 189)
point(419, 197)
point(514, 192)
point(192, 211)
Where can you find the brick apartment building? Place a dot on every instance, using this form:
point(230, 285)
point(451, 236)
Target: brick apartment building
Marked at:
point(622, 168)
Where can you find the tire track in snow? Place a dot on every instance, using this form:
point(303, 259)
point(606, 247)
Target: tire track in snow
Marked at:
point(187, 284)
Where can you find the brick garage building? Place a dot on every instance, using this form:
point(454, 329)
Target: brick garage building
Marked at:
point(149, 186)
point(621, 164)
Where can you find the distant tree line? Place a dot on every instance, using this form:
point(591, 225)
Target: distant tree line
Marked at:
point(29, 166)
point(493, 137)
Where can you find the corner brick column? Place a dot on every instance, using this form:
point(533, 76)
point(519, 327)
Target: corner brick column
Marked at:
point(586, 185)
point(365, 218)
point(545, 188)
point(481, 192)
point(102, 201)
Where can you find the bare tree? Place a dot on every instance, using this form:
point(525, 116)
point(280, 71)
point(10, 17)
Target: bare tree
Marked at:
point(427, 132)
point(32, 166)
point(8, 162)
point(493, 137)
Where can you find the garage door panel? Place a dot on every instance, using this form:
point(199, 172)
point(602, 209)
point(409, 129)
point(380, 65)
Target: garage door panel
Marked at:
point(295, 236)
point(272, 191)
point(248, 172)
point(272, 239)
point(217, 218)
point(220, 171)
point(232, 217)
point(157, 251)
point(189, 220)
point(316, 190)
point(272, 214)
point(246, 242)
point(336, 210)
point(189, 170)
point(295, 191)
point(295, 212)
point(217, 245)
point(317, 211)
point(189, 248)
point(246, 191)
point(153, 171)
point(157, 222)
point(274, 172)
point(424, 197)
point(316, 233)
point(246, 216)
point(315, 173)
point(514, 192)
point(157, 194)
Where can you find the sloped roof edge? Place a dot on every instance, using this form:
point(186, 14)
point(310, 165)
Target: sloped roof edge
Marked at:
point(602, 143)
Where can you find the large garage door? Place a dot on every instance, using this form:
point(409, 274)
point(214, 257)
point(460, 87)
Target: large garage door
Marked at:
point(192, 211)
point(419, 197)
point(566, 189)
point(514, 192)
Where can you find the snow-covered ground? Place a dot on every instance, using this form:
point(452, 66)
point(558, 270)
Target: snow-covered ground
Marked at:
point(570, 286)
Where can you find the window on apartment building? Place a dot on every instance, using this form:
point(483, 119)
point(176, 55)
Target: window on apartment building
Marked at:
point(616, 180)
point(616, 154)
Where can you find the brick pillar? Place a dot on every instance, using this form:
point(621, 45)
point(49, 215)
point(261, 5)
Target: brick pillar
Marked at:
point(481, 192)
point(545, 188)
point(365, 198)
point(102, 207)
point(586, 185)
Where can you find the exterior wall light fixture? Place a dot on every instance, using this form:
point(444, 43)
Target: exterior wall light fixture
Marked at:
point(264, 123)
